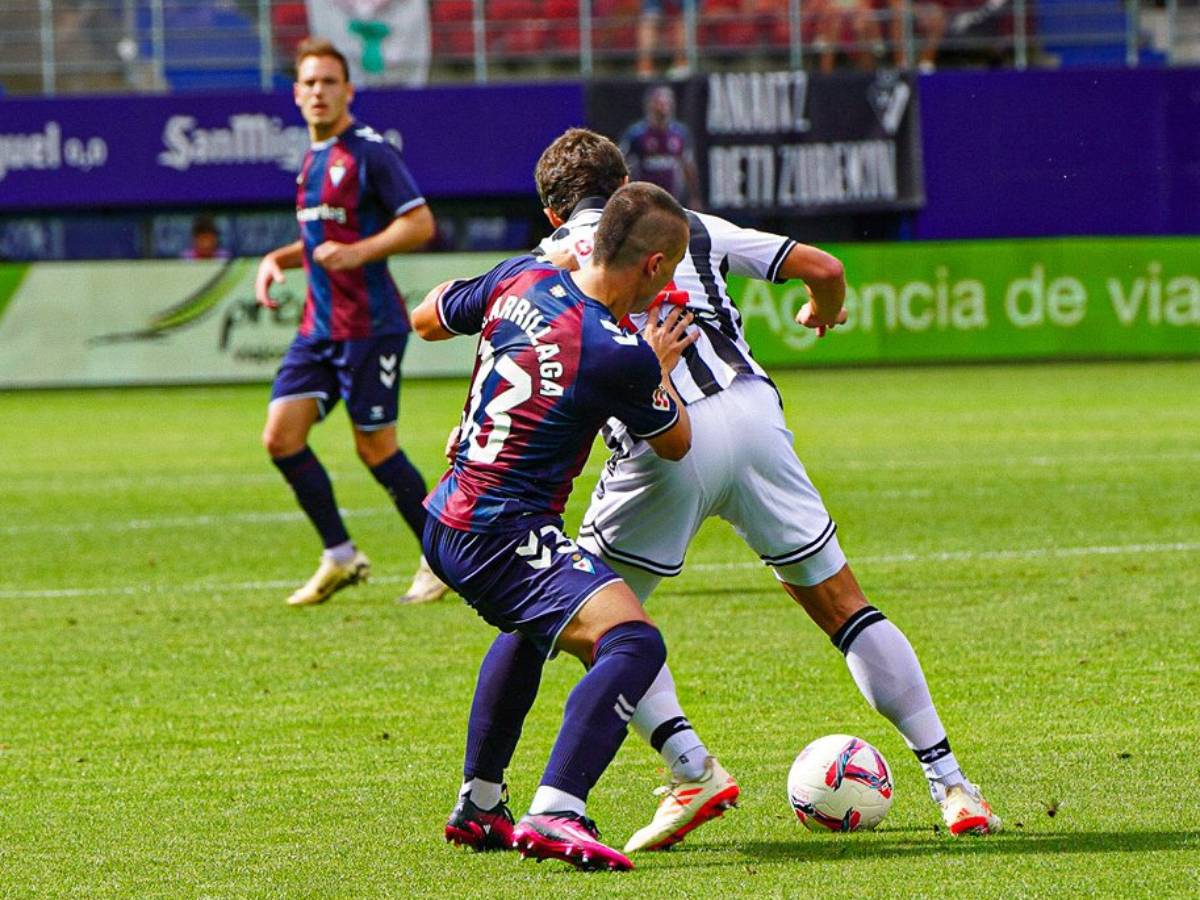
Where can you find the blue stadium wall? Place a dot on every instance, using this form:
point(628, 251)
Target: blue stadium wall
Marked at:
point(1006, 154)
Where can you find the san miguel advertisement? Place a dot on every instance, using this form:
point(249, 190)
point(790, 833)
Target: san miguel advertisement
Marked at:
point(246, 148)
point(783, 143)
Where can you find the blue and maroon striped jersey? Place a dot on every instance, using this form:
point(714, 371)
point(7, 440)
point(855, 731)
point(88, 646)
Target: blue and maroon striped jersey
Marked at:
point(551, 367)
point(351, 187)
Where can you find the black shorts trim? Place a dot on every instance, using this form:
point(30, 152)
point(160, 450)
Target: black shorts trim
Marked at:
point(812, 548)
point(638, 562)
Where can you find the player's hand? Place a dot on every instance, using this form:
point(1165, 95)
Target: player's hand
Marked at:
point(452, 439)
point(668, 336)
point(269, 275)
point(807, 316)
point(336, 257)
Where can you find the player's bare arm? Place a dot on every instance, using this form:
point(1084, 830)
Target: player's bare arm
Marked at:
point(825, 278)
point(668, 337)
point(425, 320)
point(270, 271)
point(410, 231)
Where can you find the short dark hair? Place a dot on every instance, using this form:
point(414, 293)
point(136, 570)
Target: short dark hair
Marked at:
point(204, 224)
point(638, 220)
point(315, 46)
point(579, 164)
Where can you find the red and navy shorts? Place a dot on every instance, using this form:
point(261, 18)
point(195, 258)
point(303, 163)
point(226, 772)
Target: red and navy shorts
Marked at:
point(365, 373)
point(532, 580)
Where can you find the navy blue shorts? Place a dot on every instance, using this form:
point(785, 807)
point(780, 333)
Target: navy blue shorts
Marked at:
point(365, 373)
point(533, 580)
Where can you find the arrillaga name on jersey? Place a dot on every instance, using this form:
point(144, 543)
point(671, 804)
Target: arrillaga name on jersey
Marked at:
point(323, 213)
point(525, 316)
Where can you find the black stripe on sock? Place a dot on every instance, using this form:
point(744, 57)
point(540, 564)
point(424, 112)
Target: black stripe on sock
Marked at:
point(934, 753)
point(666, 730)
point(853, 627)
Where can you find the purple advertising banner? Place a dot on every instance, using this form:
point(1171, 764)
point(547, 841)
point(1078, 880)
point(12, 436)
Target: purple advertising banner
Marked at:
point(246, 148)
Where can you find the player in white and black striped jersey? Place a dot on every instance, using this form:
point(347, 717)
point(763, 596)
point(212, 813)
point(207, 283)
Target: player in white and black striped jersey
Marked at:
point(742, 467)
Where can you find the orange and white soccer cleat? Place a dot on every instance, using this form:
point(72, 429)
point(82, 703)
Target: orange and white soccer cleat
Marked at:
point(966, 812)
point(685, 806)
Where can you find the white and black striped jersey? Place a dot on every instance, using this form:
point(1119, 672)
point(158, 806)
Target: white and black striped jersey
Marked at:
point(716, 247)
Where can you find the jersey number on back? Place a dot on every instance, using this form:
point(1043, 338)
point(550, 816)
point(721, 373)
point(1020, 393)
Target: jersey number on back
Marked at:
point(520, 389)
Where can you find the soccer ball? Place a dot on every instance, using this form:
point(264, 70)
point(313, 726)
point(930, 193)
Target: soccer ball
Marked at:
point(840, 783)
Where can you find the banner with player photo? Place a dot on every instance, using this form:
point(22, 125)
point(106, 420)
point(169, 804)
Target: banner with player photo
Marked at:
point(784, 143)
point(182, 322)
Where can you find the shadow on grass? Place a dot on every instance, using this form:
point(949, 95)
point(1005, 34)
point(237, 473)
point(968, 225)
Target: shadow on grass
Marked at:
point(832, 849)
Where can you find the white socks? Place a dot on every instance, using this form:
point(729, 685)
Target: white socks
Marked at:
point(548, 799)
point(886, 670)
point(484, 794)
point(660, 721)
point(342, 553)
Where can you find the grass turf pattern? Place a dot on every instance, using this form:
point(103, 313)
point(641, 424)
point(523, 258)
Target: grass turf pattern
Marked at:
point(169, 728)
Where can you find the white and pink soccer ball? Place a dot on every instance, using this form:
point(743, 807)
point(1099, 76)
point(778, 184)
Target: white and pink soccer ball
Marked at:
point(840, 783)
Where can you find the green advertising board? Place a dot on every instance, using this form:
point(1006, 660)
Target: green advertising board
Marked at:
point(991, 300)
point(173, 321)
point(180, 321)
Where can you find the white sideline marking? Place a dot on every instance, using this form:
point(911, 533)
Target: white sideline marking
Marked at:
point(186, 521)
point(15, 482)
point(948, 556)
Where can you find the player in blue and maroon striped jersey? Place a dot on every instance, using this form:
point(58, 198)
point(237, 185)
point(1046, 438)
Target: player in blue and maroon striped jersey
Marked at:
point(552, 364)
point(356, 204)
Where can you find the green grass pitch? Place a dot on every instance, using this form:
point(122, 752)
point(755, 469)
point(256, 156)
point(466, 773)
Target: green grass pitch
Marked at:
point(169, 729)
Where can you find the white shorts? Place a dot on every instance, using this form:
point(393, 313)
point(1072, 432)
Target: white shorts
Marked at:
point(742, 467)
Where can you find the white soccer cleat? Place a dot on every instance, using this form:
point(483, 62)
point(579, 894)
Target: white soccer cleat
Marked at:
point(966, 812)
point(686, 805)
point(330, 578)
point(426, 587)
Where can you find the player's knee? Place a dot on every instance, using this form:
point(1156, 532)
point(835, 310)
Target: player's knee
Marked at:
point(374, 447)
point(278, 444)
point(640, 639)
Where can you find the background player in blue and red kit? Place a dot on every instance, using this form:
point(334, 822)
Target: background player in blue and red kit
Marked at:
point(552, 364)
point(658, 149)
point(356, 204)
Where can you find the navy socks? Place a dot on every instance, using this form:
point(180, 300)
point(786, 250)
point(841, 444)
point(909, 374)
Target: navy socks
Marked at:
point(508, 683)
point(597, 714)
point(314, 490)
point(404, 483)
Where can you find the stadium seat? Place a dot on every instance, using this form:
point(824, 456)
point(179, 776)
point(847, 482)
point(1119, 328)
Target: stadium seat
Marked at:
point(206, 46)
point(451, 27)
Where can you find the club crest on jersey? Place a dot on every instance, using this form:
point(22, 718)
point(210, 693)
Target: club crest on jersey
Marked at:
point(661, 400)
point(583, 564)
point(337, 172)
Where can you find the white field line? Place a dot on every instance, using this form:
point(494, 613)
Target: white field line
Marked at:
point(100, 483)
point(209, 587)
point(185, 521)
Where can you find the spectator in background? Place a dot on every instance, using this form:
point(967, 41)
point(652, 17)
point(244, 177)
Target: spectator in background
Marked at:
point(206, 240)
point(929, 24)
point(847, 21)
point(658, 149)
point(648, 31)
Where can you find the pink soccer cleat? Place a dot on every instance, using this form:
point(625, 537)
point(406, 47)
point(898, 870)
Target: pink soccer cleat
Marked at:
point(572, 838)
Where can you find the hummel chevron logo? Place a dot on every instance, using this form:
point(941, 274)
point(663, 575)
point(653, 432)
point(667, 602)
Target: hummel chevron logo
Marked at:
point(619, 334)
point(623, 708)
point(387, 369)
point(531, 548)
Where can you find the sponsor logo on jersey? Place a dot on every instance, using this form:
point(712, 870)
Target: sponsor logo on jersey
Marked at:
point(322, 213)
point(662, 400)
